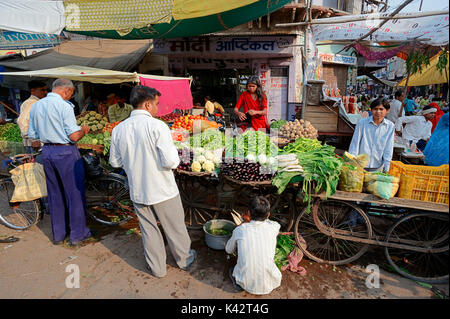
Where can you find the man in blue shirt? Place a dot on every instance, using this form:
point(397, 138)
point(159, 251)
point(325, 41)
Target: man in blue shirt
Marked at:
point(410, 106)
point(374, 136)
point(53, 123)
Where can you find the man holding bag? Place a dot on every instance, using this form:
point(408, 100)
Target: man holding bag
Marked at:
point(52, 122)
point(143, 147)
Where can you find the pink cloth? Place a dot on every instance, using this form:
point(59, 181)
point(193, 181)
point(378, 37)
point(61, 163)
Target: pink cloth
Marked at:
point(175, 94)
point(294, 258)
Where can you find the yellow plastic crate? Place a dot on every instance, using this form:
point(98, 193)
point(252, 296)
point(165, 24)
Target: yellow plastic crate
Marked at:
point(425, 183)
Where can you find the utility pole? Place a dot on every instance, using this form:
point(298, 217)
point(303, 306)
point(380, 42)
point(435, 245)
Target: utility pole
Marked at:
point(305, 58)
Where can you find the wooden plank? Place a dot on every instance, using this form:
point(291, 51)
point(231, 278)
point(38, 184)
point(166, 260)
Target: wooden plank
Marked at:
point(396, 201)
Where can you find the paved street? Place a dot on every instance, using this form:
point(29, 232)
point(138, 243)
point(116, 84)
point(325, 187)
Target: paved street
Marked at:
point(114, 267)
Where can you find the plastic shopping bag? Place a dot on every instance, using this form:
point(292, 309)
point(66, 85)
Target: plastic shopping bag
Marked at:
point(381, 185)
point(29, 181)
point(352, 173)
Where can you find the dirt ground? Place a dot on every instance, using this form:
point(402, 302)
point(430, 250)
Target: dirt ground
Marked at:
point(113, 266)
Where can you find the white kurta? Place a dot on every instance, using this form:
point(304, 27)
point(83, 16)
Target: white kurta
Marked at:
point(143, 147)
point(256, 270)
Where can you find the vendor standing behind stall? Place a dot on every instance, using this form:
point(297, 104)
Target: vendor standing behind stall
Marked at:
point(119, 111)
point(38, 90)
point(374, 136)
point(255, 106)
point(417, 129)
point(53, 122)
point(143, 147)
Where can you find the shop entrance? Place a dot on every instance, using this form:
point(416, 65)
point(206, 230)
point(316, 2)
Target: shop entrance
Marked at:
point(224, 86)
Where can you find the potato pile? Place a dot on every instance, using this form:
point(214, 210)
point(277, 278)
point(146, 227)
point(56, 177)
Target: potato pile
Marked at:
point(95, 121)
point(297, 129)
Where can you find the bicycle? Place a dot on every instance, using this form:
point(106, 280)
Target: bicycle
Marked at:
point(107, 199)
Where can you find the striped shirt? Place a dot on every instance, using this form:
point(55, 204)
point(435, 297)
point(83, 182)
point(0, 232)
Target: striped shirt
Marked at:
point(255, 270)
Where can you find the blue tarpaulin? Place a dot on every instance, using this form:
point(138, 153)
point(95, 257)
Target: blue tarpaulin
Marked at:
point(436, 151)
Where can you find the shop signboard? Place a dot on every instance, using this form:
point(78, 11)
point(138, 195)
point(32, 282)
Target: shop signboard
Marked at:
point(17, 40)
point(338, 58)
point(209, 46)
point(197, 63)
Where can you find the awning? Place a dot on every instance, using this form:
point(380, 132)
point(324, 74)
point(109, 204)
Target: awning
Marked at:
point(433, 28)
point(101, 54)
point(196, 26)
point(381, 81)
point(120, 16)
point(88, 74)
point(80, 73)
point(429, 75)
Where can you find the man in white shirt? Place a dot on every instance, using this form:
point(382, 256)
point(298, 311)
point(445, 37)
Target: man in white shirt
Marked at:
point(38, 90)
point(256, 241)
point(143, 146)
point(417, 129)
point(396, 109)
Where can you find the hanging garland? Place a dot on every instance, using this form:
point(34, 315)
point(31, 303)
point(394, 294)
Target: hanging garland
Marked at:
point(380, 53)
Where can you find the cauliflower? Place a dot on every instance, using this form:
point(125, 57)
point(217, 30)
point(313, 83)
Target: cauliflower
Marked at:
point(196, 166)
point(262, 159)
point(209, 155)
point(201, 159)
point(208, 166)
point(251, 158)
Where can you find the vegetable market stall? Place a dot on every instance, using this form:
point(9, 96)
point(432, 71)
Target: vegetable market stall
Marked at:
point(413, 228)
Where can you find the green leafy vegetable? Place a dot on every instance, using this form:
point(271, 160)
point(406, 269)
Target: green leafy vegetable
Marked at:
point(278, 124)
point(285, 244)
point(321, 170)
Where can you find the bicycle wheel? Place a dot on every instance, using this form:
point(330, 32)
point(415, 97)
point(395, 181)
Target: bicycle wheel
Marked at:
point(18, 216)
point(338, 217)
point(424, 230)
point(198, 200)
point(108, 199)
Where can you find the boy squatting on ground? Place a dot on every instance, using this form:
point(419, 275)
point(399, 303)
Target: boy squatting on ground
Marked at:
point(256, 240)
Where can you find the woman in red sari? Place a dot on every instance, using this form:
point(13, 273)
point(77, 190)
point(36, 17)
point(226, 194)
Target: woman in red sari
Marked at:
point(255, 106)
point(437, 115)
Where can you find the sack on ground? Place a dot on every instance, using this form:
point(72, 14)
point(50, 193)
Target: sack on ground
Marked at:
point(384, 186)
point(29, 181)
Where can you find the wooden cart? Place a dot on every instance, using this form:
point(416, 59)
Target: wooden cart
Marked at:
point(414, 233)
point(205, 196)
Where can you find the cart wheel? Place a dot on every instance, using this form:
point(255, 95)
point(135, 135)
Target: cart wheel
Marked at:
point(197, 200)
point(426, 230)
point(283, 209)
point(341, 217)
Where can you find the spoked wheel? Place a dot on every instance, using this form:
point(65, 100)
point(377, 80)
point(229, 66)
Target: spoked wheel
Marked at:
point(108, 199)
point(18, 216)
point(423, 230)
point(334, 218)
point(199, 201)
point(282, 209)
